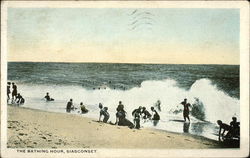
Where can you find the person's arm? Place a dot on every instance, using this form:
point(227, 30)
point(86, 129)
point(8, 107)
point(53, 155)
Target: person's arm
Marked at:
point(222, 136)
point(100, 117)
point(219, 133)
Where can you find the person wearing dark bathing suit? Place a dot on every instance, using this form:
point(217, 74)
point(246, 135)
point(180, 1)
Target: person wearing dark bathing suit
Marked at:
point(120, 107)
point(104, 113)
point(14, 91)
point(137, 115)
point(8, 91)
point(224, 127)
point(47, 97)
point(235, 127)
point(156, 116)
point(83, 108)
point(18, 97)
point(145, 114)
point(21, 101)
point(186, 110)
point(69, 105)
point(121, 117)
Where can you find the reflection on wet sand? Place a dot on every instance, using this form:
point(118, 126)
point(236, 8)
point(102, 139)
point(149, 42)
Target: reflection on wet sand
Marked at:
point(200, 128)
point(186, 126)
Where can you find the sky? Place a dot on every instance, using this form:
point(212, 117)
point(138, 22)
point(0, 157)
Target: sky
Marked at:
point(124, 35)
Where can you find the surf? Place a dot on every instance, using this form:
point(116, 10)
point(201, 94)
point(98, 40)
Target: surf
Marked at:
point(213, 104)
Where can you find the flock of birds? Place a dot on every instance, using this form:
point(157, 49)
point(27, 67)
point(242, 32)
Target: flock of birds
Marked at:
point(141, 20)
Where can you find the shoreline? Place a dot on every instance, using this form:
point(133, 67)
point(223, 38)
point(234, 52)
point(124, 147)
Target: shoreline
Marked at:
point(32, 128)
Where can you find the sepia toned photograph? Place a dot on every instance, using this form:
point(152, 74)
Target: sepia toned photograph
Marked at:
point(124, 79)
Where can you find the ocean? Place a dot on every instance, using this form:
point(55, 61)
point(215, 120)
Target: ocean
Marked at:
point(212, 90)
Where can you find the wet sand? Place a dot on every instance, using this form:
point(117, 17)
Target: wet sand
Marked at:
point(29, 128)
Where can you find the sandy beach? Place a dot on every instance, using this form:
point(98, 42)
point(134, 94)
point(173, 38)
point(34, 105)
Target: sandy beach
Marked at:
point(29, 128)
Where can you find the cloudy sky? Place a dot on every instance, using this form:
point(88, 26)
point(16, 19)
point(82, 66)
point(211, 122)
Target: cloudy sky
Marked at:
point(124, 35)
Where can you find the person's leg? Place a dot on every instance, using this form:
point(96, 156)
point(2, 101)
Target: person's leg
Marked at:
point(184, 116)
point(139, 126)
point(105, 119)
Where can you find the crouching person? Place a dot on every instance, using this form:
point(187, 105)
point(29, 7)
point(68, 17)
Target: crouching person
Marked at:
point(104, 113)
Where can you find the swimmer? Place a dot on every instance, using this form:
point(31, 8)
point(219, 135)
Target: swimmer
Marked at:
point(47, 97)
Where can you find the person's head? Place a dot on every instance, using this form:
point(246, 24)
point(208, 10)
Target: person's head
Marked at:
point(47, 93)
point(120, 102)
point(219, 122)
point(143, 108)
point(71, 100)
point(140, 107)
point(234, 119)
point(8, 83)
point(13, 83)
point(152, 108)
point(105, 108)
point(18, 94)
point(100, 105)
point(185, 99)
point(81, 103)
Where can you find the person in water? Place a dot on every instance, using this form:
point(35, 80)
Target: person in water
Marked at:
point(69, 105)
point(47, 97)
point(224, 127)
point(235, 126)
point(137, 115)
point(156, 116)
point(14, 91)
point(186, 110)
point(145, 114)
point(158, 105)
point(19, 99)
point(83, 108)
point(104, 113)
point(8, 91)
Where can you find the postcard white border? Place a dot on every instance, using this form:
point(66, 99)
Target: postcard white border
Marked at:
point(244, 76)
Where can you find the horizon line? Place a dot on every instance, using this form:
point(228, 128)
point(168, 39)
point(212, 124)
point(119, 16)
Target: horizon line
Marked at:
point(72, 62)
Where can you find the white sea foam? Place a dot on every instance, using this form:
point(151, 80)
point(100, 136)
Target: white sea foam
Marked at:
point(217, 104)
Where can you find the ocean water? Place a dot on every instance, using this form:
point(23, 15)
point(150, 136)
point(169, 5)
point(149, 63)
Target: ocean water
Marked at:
point(215, 86)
